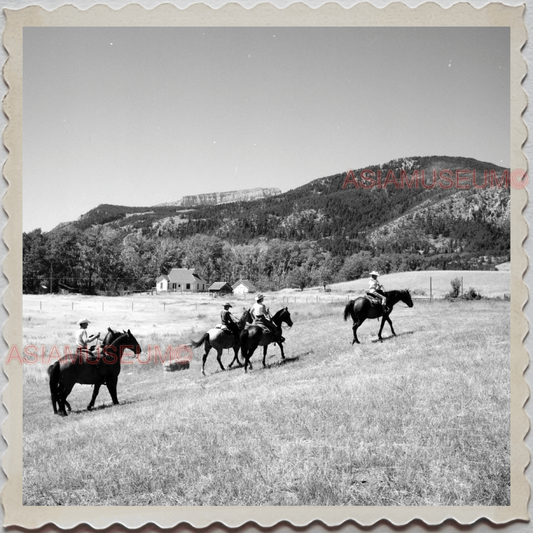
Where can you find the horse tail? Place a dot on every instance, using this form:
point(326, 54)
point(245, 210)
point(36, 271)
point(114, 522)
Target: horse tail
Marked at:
point(348, 310)
point(54, 373)
point(196, 344)
point(243, 340)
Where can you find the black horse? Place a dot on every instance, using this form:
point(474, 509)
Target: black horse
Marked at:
point(362, 308)
point(56, 388)
point(254, 336)
point(79, 368)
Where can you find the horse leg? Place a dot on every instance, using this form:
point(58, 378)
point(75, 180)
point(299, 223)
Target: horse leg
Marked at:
point(204, 359)
point(281, 348)
point(265, 348)
point(219, 359)
point(96, 389)
point(390, 324)
point(236, 357)
point(354, 328)
point(381, 327)
point(247, 358)
point(62, 399)
point(111, 383)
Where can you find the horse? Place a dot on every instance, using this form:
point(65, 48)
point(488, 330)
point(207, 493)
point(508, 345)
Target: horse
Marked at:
point(56, 388)
point(362, 308)
point(79, 368)
point(219, 339)
point(254, 336)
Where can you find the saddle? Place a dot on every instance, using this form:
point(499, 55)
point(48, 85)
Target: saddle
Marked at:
point(374, 300)
point(377, 302)
point(264, 327)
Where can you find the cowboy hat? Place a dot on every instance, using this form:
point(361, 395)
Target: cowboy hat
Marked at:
point(227, 304)
point(259, 297)
point(84, 321)
point(374, 273)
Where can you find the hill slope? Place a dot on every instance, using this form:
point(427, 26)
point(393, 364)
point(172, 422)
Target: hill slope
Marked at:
point(409, 214)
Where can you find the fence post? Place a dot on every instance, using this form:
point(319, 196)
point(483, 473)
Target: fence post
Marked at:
point(461, 287)
point(430, 288)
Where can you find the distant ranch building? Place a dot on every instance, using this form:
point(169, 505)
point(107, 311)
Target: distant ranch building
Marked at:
point(180, 280)
point(243, 287)
point(220, 287)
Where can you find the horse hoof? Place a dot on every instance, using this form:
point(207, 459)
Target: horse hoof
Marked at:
point(89, 408)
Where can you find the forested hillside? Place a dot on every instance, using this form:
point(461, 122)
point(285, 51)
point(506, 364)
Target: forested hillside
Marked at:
point(408, 214)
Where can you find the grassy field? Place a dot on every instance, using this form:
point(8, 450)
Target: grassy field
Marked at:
point(420, 419)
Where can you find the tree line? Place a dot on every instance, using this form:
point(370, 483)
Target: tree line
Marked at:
point(108, 260)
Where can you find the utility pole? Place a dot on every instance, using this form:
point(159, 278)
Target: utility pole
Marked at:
point(51, 276)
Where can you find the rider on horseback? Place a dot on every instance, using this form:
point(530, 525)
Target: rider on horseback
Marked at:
point(83, 339)
point(261, 316)
point(230, 322)
point(376, 290)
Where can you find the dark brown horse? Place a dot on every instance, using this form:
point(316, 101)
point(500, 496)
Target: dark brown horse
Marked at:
point(57, 388)
point(254, 336)
point(362, 308)
point(221, 339)
point(80, 368)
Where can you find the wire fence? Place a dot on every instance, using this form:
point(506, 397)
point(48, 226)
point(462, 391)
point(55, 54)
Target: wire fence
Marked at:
point(434, 288)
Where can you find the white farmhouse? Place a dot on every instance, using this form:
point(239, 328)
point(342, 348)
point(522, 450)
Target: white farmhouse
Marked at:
point(180, 280)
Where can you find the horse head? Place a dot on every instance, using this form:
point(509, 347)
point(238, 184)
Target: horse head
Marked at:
point(405, 297)
point(127, 340)
point(282, 315)
point(246, 317)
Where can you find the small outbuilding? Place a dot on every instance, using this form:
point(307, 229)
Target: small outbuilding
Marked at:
point(220, 287)
point(243, 287)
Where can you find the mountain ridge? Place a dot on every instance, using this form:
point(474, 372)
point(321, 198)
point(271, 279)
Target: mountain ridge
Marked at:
point(217, 198)
point(333, 227)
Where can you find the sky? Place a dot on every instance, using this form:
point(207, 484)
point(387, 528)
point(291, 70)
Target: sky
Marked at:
point(143, 116)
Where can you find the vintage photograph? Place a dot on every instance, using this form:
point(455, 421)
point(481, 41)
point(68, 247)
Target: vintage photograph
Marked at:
point(267, 265)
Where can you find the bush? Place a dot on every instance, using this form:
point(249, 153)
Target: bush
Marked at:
point(456, 288)
point(472, 294)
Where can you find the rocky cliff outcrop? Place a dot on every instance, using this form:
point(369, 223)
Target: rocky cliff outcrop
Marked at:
point(216, 198)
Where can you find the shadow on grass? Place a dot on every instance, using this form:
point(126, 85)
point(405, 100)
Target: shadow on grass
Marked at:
point(281, 362)
point(389, 337)
point(101, 407)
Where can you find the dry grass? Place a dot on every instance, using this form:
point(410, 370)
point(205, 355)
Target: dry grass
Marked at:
point(420, 419)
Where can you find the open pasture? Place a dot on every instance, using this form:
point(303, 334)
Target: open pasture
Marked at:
point(420, 419)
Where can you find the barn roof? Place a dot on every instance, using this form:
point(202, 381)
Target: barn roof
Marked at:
point(219, 285)
point(184, 275)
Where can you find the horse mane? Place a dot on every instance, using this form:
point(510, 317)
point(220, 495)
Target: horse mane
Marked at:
point(279, 312)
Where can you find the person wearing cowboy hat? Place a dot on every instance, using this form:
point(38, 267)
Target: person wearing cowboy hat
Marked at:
point(261, 315)
point(83, 339)
point(229, 321)
point(376, 289)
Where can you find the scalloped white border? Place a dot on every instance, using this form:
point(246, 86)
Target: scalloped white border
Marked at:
point(263, 14)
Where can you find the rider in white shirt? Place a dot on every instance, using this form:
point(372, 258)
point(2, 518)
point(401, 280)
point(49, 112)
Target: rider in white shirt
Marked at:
point(376, 289)
point(260, 314)
point(83, 339)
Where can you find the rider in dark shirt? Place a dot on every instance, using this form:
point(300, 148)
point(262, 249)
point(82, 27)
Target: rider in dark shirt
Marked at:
point(229, 321)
